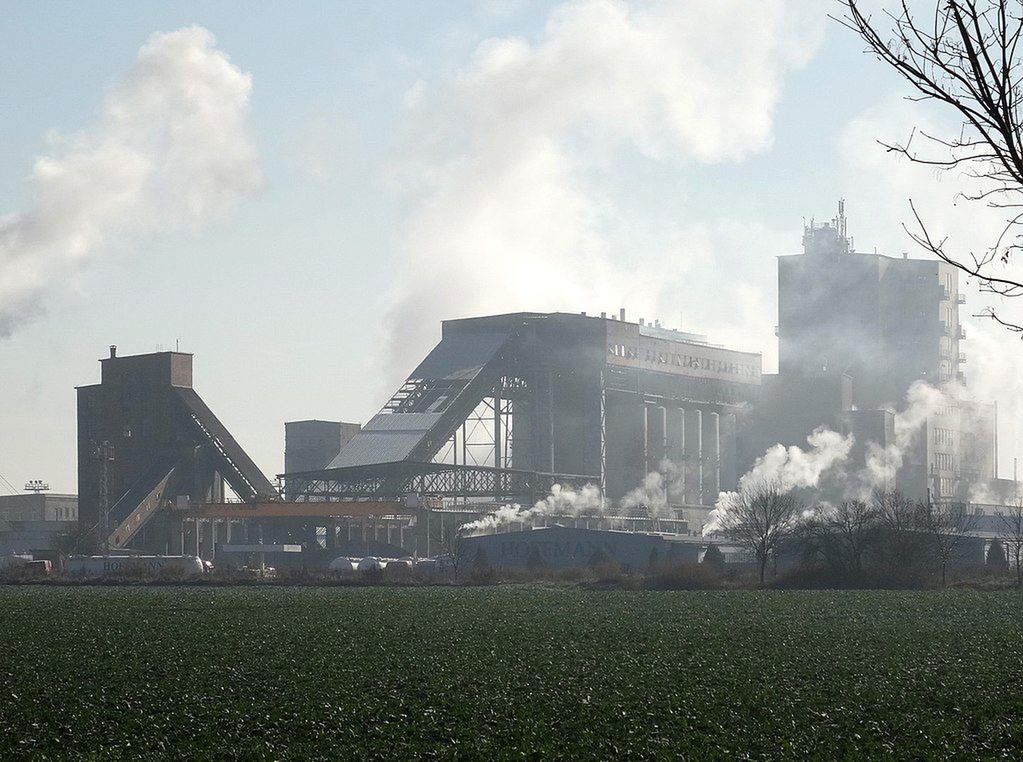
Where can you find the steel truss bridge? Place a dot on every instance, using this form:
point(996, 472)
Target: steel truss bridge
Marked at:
point(383, 481)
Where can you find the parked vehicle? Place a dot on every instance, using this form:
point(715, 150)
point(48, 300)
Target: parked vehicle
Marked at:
point(39, 568)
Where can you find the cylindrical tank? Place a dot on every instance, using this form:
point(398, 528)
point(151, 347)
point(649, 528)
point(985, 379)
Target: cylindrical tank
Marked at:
point(369, 563)
point(399, 568)
point(342, 565)
point(143, 565)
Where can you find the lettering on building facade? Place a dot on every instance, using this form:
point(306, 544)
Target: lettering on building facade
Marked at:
point(630, 348)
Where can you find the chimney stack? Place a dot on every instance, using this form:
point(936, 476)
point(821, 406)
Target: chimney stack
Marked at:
point(621, 314)
point(113, 351)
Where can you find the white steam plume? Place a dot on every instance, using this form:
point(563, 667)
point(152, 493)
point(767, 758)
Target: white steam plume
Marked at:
point(170, 150)
point(789, 468)
point(653, 493)
point(883, 463)
point(794, 468)
point(499, 164)
point(563, 501)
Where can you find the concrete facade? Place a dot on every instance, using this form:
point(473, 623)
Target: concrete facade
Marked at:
point(312, 445)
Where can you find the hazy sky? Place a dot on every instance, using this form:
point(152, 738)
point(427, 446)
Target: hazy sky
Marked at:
point(300, 192)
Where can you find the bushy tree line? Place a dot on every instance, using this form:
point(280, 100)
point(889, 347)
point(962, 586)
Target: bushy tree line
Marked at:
point(885, 537)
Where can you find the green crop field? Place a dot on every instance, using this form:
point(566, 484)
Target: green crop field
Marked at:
point(275, 672)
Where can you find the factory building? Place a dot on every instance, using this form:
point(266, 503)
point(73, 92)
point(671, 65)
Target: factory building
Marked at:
point(506, 405)
point(309, 445)
point(146, 439)
point(855, 331)
point(35, 521)
point(560, 547)
point(312, 445)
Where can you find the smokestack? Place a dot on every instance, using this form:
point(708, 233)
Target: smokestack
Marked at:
point(642, 321)
point(621, 314)
point(603, 316)
point(113, 351)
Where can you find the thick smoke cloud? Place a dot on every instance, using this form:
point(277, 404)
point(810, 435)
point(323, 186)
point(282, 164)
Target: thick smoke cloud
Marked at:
point(170, 149)
point(500, 160)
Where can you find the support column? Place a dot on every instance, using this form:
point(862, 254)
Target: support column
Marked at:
point(729, 469)
point(675, 448)
point(654, 437)
point(711, 457)
point(206, 540)
point(694, 456)
point(497, 428)
point(175, 537)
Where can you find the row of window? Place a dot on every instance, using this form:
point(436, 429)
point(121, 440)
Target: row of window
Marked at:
point(944, 436)
point(947, 486)
point(61, 513)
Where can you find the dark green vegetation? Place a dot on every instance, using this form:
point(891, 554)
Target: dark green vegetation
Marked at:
point(497, 672)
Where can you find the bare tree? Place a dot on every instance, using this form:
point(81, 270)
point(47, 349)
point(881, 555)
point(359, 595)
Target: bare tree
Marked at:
point(759, 517)
point(1011, 534)
point(948, 524)
point(965, 56)
point(842, 534)
point(903, 527)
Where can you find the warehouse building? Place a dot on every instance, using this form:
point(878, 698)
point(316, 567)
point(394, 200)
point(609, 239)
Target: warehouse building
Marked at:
point(35, 521)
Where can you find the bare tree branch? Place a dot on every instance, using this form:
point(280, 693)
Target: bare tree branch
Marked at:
point(965, 57)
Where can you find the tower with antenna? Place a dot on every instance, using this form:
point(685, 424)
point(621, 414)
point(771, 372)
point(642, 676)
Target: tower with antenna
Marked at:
point(828, 238)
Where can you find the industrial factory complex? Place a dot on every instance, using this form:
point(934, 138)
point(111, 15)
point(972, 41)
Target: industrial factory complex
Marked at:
point(527, 407)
